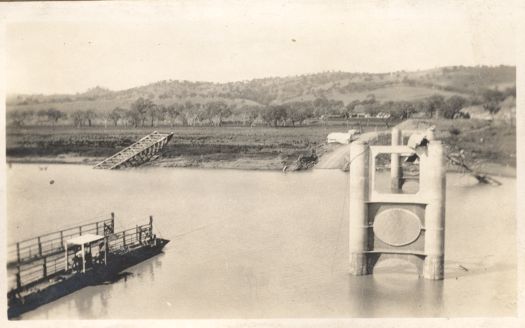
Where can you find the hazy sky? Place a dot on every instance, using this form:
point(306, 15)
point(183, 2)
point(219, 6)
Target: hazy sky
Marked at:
point(66, 51)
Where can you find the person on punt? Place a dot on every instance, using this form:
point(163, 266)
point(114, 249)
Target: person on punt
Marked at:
point(83, 259)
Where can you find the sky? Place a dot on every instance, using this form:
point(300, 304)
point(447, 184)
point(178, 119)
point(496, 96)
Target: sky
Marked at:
point(67, 49)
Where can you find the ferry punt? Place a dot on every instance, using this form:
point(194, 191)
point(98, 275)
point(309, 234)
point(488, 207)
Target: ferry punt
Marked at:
point(50, 266)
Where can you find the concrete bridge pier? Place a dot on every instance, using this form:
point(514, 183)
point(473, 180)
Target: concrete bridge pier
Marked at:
point(433, 183)
point(395, 164)
point(397, 224)
point(359, 225)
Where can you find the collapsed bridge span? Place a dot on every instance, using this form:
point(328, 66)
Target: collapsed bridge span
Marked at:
point(142, 151)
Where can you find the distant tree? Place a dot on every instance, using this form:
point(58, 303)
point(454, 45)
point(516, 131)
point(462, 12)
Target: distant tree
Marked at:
point(132, 118)
point(190, 113)
point(321, 106)
point(154, 113)
point(248, 114)
point(434, 104)
point(453, 105)
point(172, 112)
point(294, 113)
point(19, 117)
point(140, 109)
point(492, 107)
point(492, 100)
point(336, 107)
point(89, 116)
point(403, 109)
point(350, 107)
point(274, 113)
point(510, 92)
point(217, 111)
point(373, 108)
point(116, 115)
point(78, 117)
point(42, 116)
point(298, 111)
point(492, 95)
point(53, 115)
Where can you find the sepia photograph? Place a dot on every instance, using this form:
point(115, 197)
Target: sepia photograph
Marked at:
point(247, 161)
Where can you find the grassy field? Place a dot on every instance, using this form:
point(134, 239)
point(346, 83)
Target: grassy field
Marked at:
point(391, 93)
point(243, 147)
point(483, 142)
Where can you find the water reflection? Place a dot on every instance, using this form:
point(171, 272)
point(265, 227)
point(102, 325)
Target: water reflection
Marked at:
point(104, 296)
point(392, 284)
point(84, 306)
point(95, 302)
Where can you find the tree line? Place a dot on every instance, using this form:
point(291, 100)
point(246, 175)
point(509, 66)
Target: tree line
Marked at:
point(143, 112)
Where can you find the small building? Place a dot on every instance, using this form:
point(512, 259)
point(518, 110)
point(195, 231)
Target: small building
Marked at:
point(477, 112)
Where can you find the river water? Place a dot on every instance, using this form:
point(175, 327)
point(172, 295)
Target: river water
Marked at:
point(257, 244)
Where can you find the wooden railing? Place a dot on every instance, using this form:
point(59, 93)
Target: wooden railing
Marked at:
point(27, 273)
point(52, 243)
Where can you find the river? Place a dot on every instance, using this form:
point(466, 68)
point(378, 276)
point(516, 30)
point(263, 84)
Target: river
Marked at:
point(260, 244)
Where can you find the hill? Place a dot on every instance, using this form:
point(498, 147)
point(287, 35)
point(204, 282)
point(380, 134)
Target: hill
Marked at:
point(332, 85)
point(325, 94)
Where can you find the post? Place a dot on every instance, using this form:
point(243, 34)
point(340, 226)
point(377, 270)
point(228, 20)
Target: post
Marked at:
point(124, 238)
point(18, 252)
point(434, 184)
point(112, 222)
point(96, 224)
point(18, 280)
point(44, 267)
point(80, 230)
point(39, 246)
point(106, 247)
point(358, 243)
point(83, 259)
point(62, 237)
point(395, 165)
point(66, 257)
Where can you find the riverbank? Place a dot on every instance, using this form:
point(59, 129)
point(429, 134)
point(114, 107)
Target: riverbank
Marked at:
point(490, 148)
point(258, 148)
point(492, 169)
point(242, 163)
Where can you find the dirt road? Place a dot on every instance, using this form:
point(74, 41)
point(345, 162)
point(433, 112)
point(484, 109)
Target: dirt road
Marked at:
point(340, 154)
point(334, 159)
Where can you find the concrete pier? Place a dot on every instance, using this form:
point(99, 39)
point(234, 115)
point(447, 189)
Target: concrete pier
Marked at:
point(433, 183)
point(410, 226)
point(359, 226)
point(395, 165)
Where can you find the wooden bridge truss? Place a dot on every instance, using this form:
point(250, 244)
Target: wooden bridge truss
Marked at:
point(142, 151)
